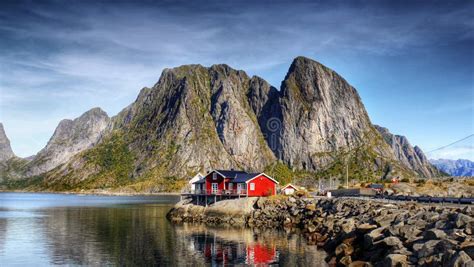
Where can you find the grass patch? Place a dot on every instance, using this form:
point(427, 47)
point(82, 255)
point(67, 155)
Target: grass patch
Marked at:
point(115, 163)
point(24, 184)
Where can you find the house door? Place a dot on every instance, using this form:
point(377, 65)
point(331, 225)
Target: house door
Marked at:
point(239, 188)
point(214, 188)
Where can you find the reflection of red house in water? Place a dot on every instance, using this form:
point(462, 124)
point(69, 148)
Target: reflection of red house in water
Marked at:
point(260, 254)
point(226, 253)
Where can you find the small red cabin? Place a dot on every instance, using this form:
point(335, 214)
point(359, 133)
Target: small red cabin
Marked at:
point(223, 182)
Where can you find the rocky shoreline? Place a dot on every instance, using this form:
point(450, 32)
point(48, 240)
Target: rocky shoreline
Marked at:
point(353, 232)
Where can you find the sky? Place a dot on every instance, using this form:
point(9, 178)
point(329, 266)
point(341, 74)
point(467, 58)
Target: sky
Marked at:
point(412, 62)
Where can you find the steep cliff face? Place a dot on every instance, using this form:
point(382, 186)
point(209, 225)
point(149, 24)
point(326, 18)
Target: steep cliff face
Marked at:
point(264, 100)
point(193, 119)
point(10, 166)
point(321, 113)
point(196, 118)
point(69, 138)
point(6, 151)
point(202, 120)
point(235, 122)
point(405, 153)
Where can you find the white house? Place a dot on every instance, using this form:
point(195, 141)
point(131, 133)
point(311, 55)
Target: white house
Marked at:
point(196, 178)
point(289, 189)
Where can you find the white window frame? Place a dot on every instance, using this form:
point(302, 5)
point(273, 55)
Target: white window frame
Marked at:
point(231, 186)
point(252, 186)
point(214, 176)
point(214, 190)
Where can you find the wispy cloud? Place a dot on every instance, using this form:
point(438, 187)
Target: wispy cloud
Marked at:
point(60, 59)
point(461, 152)
point(463, 149)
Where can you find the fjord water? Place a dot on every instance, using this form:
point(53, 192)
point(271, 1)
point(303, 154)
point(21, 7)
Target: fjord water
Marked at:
point(60, 229)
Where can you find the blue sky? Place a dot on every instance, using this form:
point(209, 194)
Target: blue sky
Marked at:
point(411, 61)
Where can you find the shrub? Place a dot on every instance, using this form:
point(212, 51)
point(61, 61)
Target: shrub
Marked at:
point(469, 182)
point(278, 197)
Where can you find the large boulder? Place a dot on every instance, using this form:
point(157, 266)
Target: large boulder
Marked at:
point(468, 247)
point(434, 234)
point(458, 259)
point(462, 220)
point(392, 242)
point(395, 260)
point(373, 236)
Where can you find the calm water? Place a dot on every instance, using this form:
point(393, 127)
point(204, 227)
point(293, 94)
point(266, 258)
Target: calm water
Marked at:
point(56, 229)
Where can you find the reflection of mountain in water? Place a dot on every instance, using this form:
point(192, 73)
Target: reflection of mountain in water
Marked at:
point(224, 246)
point(3, 232)
point(71, 238)
point(135, 235)
point(131, 236)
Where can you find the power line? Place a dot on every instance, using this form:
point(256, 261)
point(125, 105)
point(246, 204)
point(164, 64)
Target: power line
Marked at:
point(455, 142)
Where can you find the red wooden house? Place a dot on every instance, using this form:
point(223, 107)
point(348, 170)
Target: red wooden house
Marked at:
point(235, 183)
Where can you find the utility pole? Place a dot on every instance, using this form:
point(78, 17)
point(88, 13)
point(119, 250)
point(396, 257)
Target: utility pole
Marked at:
point(319, 185)
point(347, 171)
point(347, 158)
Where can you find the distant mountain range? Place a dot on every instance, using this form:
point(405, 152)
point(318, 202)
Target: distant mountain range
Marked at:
point(460, 167)
point(197, 118)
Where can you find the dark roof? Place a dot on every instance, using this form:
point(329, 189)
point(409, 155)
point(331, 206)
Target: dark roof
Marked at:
point(376, 186)
point(237, 176)
point(244, 177)
point(200, 181)
point(231, 173)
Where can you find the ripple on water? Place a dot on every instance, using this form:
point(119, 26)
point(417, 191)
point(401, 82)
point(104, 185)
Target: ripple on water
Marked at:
point(19, 214)
point(54, 229)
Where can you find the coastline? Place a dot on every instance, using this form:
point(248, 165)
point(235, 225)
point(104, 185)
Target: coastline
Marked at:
point(95, 192)
point(353, 230)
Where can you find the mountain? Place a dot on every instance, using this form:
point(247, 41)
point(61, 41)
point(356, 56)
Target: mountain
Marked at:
point(6, 151)
point(460, 167)
point(70, 138)
point(196, 118)
point(407, 154)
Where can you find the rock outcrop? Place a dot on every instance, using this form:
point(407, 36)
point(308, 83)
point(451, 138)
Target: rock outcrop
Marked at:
point(410, 156)
point(321, 113)
point(200, 118)
point(6, 151)
point(69, 138)
point(369, 233)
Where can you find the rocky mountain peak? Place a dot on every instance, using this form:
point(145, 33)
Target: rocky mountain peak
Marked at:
point(262, 96)
point(6, 151)
point(408, 155)
point(93, 114)
point(70, 138)
point(321, 112)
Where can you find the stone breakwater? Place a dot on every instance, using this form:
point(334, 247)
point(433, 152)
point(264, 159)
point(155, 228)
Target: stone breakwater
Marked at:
point(354, 232)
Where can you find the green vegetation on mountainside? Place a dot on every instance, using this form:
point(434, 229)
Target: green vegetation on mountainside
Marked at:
point(12, 169)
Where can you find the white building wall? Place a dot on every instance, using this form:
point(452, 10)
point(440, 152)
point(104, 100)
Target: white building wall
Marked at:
point(196, 178)
point(289, 191)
